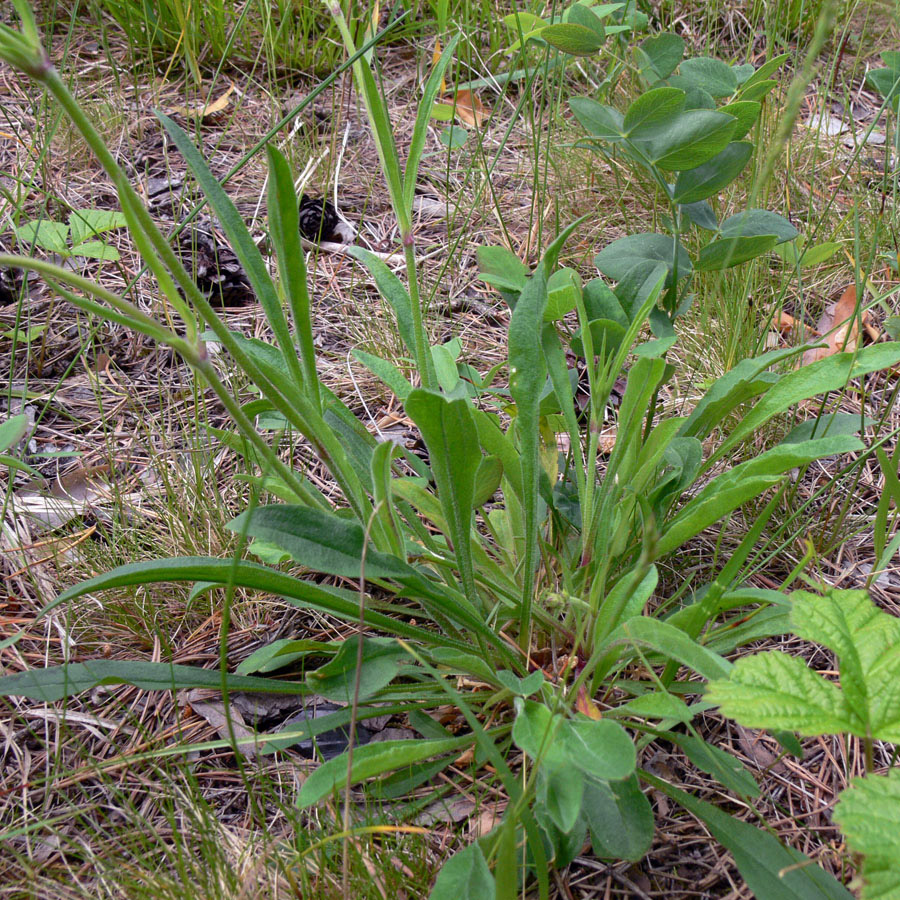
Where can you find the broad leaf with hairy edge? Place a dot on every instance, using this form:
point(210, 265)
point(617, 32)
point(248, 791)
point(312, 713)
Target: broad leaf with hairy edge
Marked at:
point(451, 437)
point(372, 760)
point(340, 678)
point(599, 748)
point(771, 870)
point(465, 876)
point(868, 813)
point(58, 682)
point(619, 818)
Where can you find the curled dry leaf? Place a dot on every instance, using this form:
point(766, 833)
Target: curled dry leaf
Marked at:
point(586, 705)
point(470, 110)
point(209, 110)
point(840, 326)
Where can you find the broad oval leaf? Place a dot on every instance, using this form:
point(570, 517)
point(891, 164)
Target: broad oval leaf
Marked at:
point(693, 137)
point(704, 181)
point(753, 222)
point(598, 120)
point(746, 112)
point(619, 818)
point(618, 258)
point(711, 75)
point(661, 54)
point(576, 40)
point(465, 876)
point(731, 251)
point(652, 113)
point(599, 748)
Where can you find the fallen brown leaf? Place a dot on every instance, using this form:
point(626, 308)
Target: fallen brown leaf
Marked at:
point(840, 326)
point(584, 704)
point(210, 109)
point(470, 110)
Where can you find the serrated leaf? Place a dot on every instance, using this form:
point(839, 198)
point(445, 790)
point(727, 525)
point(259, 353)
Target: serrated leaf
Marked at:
point(868, 813)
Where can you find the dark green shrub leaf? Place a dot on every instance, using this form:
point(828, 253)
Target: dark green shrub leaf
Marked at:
point(617, 259)
point(659, 56)
point(642, 279)
point(598, 120)
point(337, 679)
point(708, 179)
point(711, 75)
point(692, 138)
point(754, 222)
point(465, 876)
point(619, 818)
point(652, 113)
point(727, 252)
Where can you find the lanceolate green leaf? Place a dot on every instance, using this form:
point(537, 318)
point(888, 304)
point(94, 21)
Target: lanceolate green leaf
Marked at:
point(58, 682)
point(829, 374)
point(771, 870)
point(372, 760)
point(450, 435)
point(305, 594)
point(391, 288)
point(526, 378)
point(242, 242)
